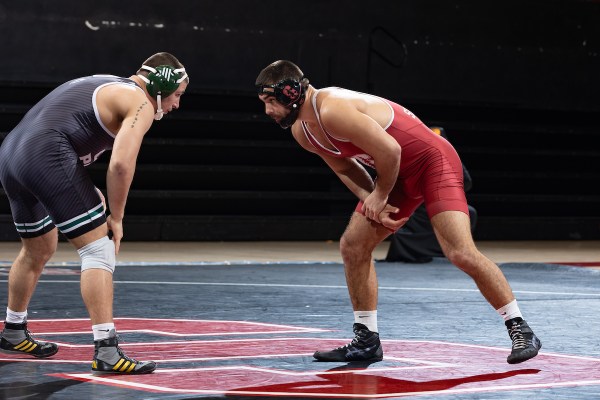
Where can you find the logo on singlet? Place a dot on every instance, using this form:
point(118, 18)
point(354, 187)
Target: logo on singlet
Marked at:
point(365, 159)
point(87, 159)
point(409, 113)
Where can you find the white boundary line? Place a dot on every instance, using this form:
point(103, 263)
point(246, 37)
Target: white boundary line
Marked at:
point(4, 263)
point(341, 287)
point(425, 365)
point(277, 339)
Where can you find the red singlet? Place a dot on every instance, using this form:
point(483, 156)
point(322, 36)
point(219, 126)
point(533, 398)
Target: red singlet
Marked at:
point(430, 169)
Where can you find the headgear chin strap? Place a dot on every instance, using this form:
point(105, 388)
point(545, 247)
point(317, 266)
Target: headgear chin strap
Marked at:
point(290, 118)
point(162, 81)
point(290, 93)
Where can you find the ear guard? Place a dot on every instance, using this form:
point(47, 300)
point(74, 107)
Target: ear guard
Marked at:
point(288, 92)
point(162, 81)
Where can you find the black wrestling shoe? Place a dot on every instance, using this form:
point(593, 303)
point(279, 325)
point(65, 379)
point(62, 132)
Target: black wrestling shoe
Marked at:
point(364, 347)
point(25, 344)
point(116, 362)
point(525, 344)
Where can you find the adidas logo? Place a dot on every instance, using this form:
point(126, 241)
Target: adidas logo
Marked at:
point(26, 346)
point(124, 366)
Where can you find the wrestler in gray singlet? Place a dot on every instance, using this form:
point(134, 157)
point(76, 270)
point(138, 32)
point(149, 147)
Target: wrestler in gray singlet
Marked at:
point(42, 160)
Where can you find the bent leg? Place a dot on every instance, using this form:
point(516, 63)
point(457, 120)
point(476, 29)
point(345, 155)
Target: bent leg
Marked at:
point(27, 268)
point(96, 283)
point(454, 234)
point(453, 231)
point(98, 260)
point(22, 280)
point(357, 245)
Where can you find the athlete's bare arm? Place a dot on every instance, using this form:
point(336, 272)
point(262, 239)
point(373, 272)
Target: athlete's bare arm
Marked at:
point(127, 112)
point(350, 172)
point(353, 175)
point(342, 119)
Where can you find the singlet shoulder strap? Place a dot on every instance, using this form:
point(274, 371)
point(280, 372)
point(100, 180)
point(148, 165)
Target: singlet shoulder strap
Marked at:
point(317, 113)
point(312, 140)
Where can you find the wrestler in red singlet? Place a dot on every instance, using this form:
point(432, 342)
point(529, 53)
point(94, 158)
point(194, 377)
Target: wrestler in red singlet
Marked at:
point(414, 165)
point(430, 169)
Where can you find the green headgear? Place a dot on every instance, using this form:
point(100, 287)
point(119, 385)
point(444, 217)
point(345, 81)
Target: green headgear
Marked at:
point(163, 80)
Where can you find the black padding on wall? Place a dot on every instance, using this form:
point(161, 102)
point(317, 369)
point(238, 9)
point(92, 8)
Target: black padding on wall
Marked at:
point(530, 54)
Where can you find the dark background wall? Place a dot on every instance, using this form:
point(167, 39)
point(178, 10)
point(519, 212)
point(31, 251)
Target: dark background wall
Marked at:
point(525, 53)
point(514, 83)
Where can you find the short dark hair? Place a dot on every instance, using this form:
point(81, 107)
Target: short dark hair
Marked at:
point(162, 58)
point(278, 71)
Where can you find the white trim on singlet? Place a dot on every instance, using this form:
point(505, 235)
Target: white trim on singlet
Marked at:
point(23, 227)
point(308, 132)
point(327, 134)
point(131, 86)
point(81, 219)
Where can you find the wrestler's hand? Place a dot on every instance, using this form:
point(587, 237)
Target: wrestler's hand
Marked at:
point(388, 221)
point(116, 227)
point(373, 205)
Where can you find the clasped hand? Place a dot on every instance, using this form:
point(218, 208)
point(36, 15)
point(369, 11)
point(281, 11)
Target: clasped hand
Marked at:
point(376, 208)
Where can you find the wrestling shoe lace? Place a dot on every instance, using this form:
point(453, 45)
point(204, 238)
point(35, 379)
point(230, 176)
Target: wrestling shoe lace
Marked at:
point(525, 345)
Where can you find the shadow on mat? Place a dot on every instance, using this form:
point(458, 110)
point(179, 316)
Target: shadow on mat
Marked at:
point(24, 387)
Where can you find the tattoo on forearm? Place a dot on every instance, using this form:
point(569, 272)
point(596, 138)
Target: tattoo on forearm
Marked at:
point(145, 103)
